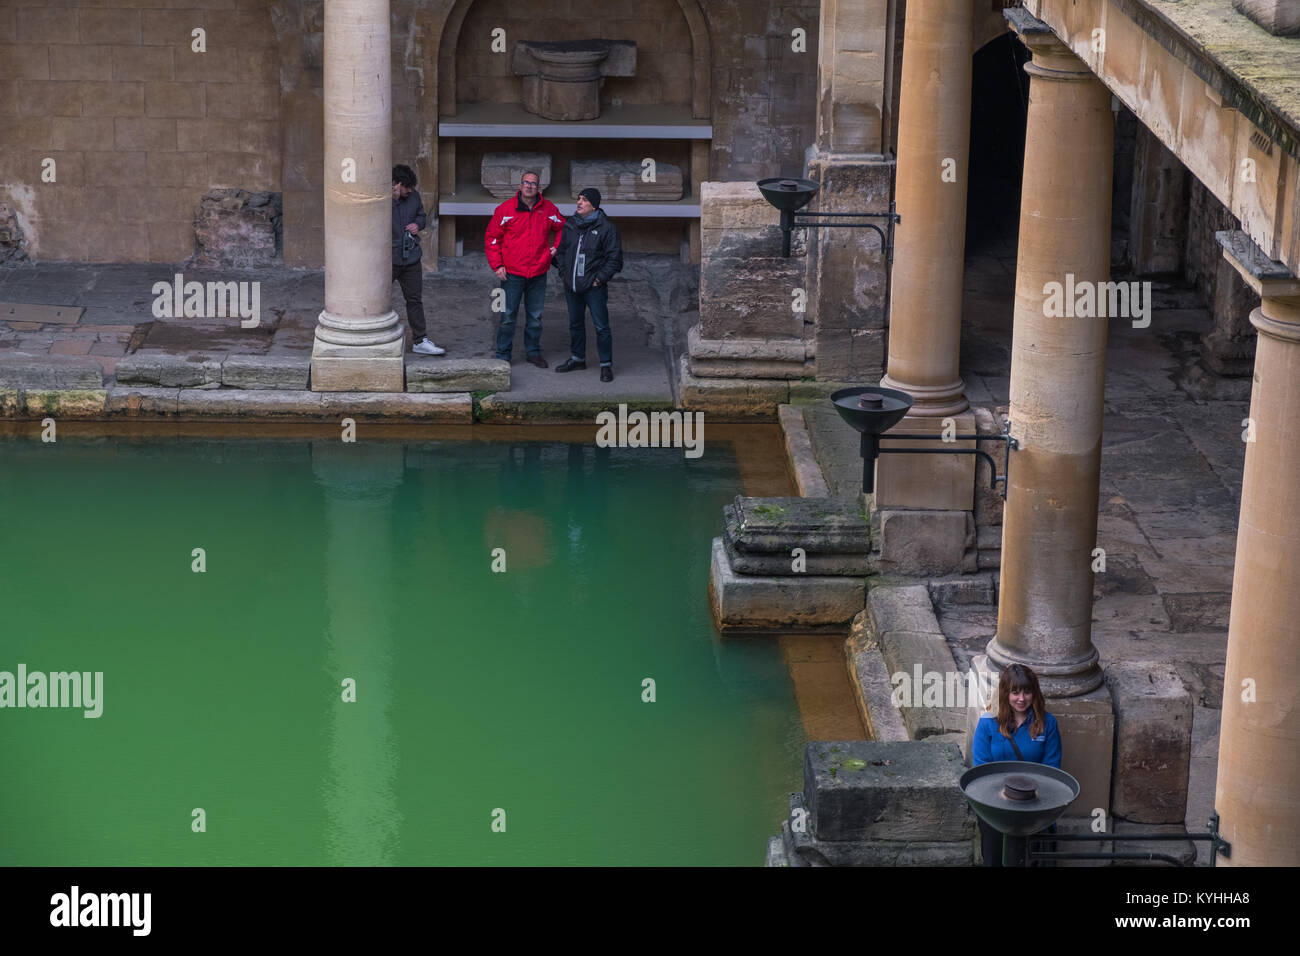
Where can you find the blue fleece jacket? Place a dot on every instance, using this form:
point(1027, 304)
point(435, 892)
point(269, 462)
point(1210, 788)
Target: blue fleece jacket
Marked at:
point(989, 744)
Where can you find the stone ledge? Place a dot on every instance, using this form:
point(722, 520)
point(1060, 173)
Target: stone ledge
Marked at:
point(129, 401)
point(435, 374)
point(50, 372)
point(901, 622)
point(870, 679)
point(750, 602)
point(266, 371)
point(808, 477)
point(166, 370)
point(732, 399)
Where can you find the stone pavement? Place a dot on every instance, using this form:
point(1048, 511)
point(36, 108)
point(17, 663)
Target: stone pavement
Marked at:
point(652, 304)
point(1172, 458)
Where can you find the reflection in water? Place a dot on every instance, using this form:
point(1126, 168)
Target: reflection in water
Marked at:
point(362, 819)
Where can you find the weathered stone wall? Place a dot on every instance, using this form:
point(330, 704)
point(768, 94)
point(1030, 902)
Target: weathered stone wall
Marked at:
point(658, 27)
point(138, 124)
point(764, 93)
point(1230, 347)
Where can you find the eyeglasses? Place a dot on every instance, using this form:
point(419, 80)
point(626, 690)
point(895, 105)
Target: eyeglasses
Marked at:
point(530, 182)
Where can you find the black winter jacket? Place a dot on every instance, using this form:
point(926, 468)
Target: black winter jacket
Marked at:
point(410, 209)
point(599, 243)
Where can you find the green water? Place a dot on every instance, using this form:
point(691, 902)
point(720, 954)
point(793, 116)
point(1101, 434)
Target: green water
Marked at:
point(476, 691)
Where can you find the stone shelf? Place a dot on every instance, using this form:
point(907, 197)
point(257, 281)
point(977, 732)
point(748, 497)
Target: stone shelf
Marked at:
point(471, 199)
point(502, 120)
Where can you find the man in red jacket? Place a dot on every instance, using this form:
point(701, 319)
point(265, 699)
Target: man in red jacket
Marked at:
point(520, 241)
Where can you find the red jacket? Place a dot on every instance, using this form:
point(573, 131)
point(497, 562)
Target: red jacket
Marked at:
point(521, 239)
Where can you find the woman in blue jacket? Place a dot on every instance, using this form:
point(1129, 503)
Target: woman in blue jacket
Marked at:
point(1021, 729)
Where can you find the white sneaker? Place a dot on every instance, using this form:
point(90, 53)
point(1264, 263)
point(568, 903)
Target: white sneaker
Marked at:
point(425, 347)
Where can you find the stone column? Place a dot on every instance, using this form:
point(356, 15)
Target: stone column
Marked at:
point(1259, 739)
point(1058, 374)
point(359, 339)
point(930, 243)
point(847, 273)
point(1057, 379)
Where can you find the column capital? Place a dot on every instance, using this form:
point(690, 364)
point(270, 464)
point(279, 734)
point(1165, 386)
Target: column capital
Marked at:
point(1053, 60)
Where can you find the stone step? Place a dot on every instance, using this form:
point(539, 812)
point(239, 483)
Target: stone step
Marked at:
point(281, 371)
point(435, 374)
point(50, 372)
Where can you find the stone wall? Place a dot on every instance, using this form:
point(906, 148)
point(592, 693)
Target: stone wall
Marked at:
point(139, 125)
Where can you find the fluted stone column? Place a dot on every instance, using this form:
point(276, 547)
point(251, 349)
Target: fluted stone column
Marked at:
point(1257, 793)
point(929, 255)
point(359, 339)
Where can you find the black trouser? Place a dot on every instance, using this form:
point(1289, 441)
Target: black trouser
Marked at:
point(410, 277)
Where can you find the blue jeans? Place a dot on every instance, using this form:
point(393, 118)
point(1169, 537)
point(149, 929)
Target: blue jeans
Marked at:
point(596, 299)
point(533, 293)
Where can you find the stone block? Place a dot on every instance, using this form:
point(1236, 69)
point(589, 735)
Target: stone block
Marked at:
point(963, 589)
point(166, 370)
point(500, 172)
point(1153, 741)
point(11, 402)
point(457, 375)
point(750, 297)
point(886, 792)
point(235, 227)
point(50, 371)
point(1184, 851)
point(370, 374)
point(622, 180)
point(737, 399)
point(808, 477)
point(448, 408)
point(874, 690)
point(940, 482)
point(64, 403)
point(923, 542)
point(777, 525)
point(780, 564)
point(133, 401)
point(988, 503)
point(765, 603)
point(265, 371)
point(248, 403)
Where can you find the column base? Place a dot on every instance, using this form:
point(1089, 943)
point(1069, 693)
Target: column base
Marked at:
point(1057, 679)
point(361, 368)
point(1087, 726)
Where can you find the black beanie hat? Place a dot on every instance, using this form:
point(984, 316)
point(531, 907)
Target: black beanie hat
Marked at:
point(592, 194)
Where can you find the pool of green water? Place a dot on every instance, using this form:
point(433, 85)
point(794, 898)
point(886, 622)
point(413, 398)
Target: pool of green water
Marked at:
point(499, 715)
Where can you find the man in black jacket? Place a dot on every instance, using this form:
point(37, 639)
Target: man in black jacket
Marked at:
point(589, 255)
point(408, 220)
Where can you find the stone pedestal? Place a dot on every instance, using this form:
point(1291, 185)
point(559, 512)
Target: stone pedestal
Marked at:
point(1057, 374)
point(866, 803)
point(789, 562)
point(1259, 739)
point(359, 339)
point(562, 80)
